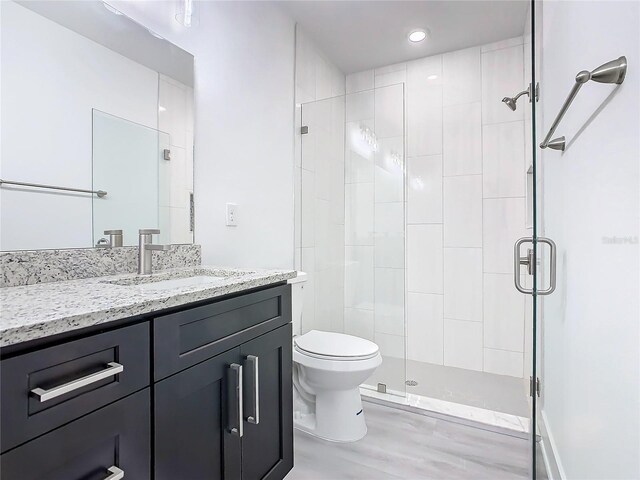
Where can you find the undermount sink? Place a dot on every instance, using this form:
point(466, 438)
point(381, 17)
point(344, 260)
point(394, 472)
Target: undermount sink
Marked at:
point(170, 280)
point(180, 282)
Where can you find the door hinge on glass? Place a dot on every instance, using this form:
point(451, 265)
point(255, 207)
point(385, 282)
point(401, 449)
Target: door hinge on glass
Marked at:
point(192, 213)
point(533, 388)
point(536, 92)
point(304, 130)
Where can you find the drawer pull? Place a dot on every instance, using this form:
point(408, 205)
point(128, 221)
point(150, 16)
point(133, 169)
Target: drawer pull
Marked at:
point(45, 395)
point(116, 473)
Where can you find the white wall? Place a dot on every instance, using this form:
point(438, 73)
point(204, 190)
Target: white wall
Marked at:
point(591, 195)
point(465, 209)
point(46, 124)
point(244, 87)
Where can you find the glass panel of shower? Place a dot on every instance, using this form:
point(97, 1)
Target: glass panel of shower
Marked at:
point(352, 217)
point(468, 351)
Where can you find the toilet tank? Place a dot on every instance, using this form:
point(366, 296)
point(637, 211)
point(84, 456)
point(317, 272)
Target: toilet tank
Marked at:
point(297, 301)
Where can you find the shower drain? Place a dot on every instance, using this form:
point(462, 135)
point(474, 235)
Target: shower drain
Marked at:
point(411, 383)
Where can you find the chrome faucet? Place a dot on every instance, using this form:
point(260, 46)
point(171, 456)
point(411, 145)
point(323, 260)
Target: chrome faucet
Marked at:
point(145, 249)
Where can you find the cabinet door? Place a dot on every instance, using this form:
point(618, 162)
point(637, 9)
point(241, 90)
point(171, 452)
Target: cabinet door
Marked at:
point(267, 443)
point(112, 442)
point(194, 414)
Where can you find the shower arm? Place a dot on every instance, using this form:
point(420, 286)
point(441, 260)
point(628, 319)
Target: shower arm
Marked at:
point(515, 99)
point(610, 72)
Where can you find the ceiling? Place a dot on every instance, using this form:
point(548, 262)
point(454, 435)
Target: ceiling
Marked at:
point(359, 35)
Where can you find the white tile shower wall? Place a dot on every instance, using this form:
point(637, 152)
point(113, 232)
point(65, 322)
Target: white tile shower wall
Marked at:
point(321, 222)
point(465, 208)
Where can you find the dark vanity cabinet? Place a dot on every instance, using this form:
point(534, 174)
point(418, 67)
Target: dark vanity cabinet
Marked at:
point(229, 416)
point(103, 445)
point(195, 393)
point(267, 443)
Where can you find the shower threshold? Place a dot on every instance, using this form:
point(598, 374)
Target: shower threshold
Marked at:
point(465, 414)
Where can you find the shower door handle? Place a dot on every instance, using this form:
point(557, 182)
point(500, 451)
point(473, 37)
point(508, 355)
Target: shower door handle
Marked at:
point(530, 261)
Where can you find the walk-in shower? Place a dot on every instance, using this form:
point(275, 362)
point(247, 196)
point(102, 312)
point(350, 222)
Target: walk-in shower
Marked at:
point(412, 193)
point(414, 184)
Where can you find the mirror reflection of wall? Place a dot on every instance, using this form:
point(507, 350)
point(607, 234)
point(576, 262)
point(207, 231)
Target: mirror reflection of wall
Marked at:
point(91, 100)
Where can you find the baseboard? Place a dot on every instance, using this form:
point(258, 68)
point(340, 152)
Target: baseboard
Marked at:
point(550, 451)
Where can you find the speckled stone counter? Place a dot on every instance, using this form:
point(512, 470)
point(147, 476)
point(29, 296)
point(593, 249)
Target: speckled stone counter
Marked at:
point(28, 267)
point(36, 311)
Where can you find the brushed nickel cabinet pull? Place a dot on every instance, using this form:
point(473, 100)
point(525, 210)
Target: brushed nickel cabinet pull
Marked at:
point(43, 395)
point(235, 397)
point(253, 362)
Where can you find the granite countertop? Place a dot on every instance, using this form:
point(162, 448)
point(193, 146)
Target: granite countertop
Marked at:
point(36, 311)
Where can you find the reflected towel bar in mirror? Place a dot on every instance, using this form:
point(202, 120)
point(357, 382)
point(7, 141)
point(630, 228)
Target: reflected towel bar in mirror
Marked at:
point(610, 72)
point(100, 193)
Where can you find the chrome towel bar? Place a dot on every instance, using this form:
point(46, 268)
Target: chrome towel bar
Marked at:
point(610, 72)
point(100, 193)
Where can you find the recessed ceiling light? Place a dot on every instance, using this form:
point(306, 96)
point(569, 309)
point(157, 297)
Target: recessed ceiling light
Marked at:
point(432, 77)
point(417, 35)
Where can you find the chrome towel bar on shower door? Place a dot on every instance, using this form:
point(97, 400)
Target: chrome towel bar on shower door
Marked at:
point(610, 72)
point(100, 193)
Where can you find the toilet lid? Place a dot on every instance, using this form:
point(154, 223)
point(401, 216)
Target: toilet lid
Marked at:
point(330, 344)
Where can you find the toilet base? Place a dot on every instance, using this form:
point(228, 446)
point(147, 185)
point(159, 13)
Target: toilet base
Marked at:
point(336, 415)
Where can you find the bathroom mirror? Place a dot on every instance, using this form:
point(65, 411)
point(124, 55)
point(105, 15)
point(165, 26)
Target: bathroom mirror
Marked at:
point(96, 128)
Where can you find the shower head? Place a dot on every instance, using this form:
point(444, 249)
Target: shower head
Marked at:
point(510, 102)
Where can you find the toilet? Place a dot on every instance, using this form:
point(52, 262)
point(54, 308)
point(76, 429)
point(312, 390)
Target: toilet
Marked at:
point(328, 369)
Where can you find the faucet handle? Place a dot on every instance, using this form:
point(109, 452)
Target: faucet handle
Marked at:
point(149, 231)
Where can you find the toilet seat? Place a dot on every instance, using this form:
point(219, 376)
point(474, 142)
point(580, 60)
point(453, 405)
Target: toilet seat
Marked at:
point(335, 346)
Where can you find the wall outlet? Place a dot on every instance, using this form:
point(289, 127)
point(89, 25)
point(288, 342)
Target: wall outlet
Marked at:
point(232, 214)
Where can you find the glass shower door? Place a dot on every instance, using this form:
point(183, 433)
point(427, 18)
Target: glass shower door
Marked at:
point(375, 275)
point(352, 223)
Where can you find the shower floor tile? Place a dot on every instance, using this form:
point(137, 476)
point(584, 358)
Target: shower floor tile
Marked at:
point(499, 393)
point(403, 445)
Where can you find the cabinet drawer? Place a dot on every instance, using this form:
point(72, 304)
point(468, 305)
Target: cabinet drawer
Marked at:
point(44, 389)
point(103, 443)
point(186, 338)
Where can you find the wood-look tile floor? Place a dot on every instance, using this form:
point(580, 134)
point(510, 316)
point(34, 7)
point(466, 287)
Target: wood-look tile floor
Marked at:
point(404, 445)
